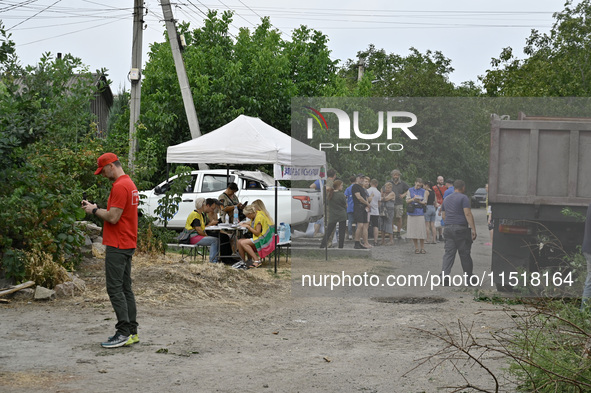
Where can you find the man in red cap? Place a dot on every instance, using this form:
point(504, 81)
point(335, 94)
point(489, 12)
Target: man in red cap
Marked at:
point(120, 237)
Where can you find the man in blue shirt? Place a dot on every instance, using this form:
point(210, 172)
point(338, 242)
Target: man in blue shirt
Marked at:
point(459, 231)
point(449, 183)
point(349, 196)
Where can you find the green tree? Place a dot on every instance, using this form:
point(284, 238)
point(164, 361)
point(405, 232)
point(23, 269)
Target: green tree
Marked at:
point(415, 75)
point(443, 136)
point(47, 158)
point(6, 48)
point(256, 74)
point(558, 64)
point(452, 133)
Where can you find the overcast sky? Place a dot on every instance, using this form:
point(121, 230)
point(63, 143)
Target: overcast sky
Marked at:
point(468, 32)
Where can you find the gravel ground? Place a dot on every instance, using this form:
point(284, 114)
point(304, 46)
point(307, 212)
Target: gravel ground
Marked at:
point(284, 339)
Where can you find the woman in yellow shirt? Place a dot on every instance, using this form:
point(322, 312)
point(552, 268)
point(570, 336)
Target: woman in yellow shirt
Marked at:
point(195, 224)
point(262, 241)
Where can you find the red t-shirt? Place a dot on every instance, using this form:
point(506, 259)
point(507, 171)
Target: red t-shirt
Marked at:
point(439, 191)
point(124, 195)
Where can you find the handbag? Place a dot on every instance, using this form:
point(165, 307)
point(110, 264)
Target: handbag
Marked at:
point(185, 236)
point(414, 206)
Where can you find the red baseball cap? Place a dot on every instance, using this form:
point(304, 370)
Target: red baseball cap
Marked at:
point(105, 159)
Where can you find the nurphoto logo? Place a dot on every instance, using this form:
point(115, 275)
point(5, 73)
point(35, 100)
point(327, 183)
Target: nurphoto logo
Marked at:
point(394, 120)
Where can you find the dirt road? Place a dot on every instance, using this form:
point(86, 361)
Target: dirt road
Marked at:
point(276, 339)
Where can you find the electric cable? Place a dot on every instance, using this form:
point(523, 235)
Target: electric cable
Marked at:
point(31, 17)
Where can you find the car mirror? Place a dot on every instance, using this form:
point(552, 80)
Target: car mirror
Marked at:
point(158, 190)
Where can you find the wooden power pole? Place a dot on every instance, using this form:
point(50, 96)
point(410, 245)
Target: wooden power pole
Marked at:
point(180, 70)
point(135, 76)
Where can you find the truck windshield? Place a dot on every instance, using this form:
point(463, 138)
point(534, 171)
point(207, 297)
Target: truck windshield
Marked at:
point(213, 183)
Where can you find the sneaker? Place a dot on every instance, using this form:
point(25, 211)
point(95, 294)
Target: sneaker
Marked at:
point(133, 339)
point(116, 341)
point(241, 265)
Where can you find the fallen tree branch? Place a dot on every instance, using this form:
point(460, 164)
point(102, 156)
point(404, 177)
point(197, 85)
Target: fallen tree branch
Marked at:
point(17, 288)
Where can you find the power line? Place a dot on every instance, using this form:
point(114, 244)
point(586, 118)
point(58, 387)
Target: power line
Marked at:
point(31, 17)
point(15, 6)
point(333, 11)
point(241, 2)
point(48, 26)
point(197, 8)
point(72, 32)
point(208, 9)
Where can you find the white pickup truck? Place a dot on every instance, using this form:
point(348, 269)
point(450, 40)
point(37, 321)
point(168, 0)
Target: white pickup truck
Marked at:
point(297, 206)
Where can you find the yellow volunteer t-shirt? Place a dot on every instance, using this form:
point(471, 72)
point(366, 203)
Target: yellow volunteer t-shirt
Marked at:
point(194, 215)
point(261, 218)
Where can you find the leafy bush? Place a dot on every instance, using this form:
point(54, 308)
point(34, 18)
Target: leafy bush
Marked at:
point(169, 203)
point(47, 159)
point(41, 203)
point(41, 268)
point(13, 264)
point(153, 239)
point(550, 352)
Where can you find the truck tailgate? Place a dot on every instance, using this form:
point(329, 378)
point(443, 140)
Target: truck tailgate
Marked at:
point(541, 162)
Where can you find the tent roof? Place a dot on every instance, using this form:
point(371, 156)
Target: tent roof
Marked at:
point(246, 140)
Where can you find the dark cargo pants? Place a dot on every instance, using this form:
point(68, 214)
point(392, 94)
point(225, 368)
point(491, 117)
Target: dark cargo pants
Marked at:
point(118, 279)
point(458, 238)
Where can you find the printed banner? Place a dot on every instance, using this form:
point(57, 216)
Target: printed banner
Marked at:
point(284, 172)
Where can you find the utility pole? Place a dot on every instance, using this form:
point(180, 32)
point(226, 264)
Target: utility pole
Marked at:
point(180, 70)
point(135, 76)
point(360, 68)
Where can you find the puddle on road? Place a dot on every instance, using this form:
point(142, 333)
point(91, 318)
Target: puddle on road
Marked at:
point(410, 300)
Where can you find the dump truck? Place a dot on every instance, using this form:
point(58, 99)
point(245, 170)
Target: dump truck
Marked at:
point(538, 167)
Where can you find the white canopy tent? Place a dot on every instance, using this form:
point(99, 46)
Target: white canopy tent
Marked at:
point(249, 140)
point(246, 140)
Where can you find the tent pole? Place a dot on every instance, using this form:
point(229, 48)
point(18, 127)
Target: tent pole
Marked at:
point(326, 234)
point(275, 238)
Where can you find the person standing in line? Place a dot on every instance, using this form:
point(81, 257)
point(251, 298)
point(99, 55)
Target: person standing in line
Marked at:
point(331, 175)
point(449, 183)
point(459, 231)
point(337, 213)
point(430, 213)
point(359, 211)
point(374, 209)
point(350, 217)
point(388, 208)
point(366, 234)
point(439, 189)
point(586, 301)
point(400, 189)
point(416, 230)
point(120, 238)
